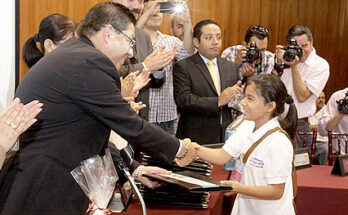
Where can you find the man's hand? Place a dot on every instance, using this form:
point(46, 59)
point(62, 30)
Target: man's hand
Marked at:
point(127, 84)
point(240, 56)
point(141, 80)
point(149, 170)
point(158, 59)
point(187, 153)
point(136, 106)
point(230, 93)
point(248, 70)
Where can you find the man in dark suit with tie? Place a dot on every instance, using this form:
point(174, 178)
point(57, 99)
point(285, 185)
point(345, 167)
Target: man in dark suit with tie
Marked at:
point(203, 85)
point(80, 87)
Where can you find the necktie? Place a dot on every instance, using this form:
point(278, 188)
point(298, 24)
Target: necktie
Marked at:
point(213, 75)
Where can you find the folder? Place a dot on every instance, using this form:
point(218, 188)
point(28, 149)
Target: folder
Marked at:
point(190, 181)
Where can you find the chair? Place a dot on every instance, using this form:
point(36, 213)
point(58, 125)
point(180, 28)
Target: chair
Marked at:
point(342, 140)
point(305, 136)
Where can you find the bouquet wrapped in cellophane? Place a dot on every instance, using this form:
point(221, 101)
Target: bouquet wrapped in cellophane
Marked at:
point(97, 177)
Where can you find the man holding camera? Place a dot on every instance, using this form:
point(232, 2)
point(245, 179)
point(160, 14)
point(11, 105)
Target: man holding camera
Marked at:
point(306, 75)
point(252, 57)
point(335, 115)
point(162, 108)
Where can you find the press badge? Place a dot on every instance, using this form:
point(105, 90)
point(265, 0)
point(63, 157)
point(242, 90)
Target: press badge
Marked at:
point(237, 172)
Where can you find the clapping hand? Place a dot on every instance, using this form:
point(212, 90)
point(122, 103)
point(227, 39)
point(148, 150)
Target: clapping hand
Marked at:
point(127, 84)
point(187, 153)
point(16, 119)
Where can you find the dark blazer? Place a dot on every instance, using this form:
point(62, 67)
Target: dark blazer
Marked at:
point(143, 48)
point(80, 89)
point(197, 100)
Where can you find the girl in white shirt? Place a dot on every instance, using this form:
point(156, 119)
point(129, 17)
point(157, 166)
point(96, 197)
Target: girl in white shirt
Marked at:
point(266, 185)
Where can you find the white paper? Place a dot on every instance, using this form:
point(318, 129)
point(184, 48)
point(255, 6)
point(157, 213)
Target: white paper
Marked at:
point(190, 180)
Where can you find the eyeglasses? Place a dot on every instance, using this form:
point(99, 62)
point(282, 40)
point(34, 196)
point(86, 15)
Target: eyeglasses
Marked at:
point(130, 40)
point(259, 30)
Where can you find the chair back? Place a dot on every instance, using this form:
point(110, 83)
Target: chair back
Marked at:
point(342, 145)
point(305, 137)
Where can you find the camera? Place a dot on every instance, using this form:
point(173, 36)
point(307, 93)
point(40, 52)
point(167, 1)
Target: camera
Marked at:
point(253, 53)
point(292, 50)
point(172, 7)
point(343, 104)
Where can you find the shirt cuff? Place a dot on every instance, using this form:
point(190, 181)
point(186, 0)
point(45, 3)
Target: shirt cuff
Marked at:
point(158, 74)
point(179, 150)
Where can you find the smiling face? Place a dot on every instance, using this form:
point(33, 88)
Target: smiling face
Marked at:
point(255, 108)
point(120, 47)
point(209, 44)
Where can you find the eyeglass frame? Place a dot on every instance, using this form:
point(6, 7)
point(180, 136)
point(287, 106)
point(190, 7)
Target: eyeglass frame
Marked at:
point(131, 41)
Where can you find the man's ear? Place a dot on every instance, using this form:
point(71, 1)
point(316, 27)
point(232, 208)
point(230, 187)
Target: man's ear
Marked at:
point(49, 46)
point(107, 33)
point(195, 42)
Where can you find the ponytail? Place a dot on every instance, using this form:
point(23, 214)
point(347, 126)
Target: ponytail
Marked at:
point(271, 88)
point(289, 123)
point(30, 53)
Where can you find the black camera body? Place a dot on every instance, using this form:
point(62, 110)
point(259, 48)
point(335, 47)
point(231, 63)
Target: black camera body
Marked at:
point(291, 51)
point(343, 104)
point(253, 53)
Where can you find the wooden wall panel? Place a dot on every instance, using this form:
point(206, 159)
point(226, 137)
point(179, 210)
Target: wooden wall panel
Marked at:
point(328, 20)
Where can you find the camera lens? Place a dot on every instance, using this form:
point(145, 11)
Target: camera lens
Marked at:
point(290, 55)
point(252, 55)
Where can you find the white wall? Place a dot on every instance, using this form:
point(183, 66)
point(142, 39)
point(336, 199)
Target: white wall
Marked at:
point(7, 52)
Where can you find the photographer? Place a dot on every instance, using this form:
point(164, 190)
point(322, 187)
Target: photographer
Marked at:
point(335, 115)
point(263, 64)
point(307, 74)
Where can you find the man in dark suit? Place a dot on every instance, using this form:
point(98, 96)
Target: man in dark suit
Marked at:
point(80, 88)
point(203, 85)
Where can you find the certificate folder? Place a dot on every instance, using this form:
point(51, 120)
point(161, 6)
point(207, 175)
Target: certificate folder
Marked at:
point(203, 184)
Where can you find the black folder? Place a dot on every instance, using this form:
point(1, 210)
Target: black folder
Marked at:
point(192, 187)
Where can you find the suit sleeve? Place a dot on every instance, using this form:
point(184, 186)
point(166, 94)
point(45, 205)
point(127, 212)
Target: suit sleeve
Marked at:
point(95, 89)
point(186, 100)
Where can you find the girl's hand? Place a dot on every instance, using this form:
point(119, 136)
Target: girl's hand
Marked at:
point(235, 187)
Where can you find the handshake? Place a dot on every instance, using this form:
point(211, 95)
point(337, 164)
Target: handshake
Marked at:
point(187, 153)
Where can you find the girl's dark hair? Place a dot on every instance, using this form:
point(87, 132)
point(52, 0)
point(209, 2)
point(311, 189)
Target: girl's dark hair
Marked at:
point(271, 88)
point(54, 27)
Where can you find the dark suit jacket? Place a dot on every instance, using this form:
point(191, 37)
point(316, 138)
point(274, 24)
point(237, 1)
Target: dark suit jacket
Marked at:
point(143, 48)
point(197, 100)
point(80, 89)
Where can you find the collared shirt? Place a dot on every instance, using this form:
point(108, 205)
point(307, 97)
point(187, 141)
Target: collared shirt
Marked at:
point(267, 62)
point(215, 66)
point(313, 120)
point(330, 110)
point(314, 72)
point(269, 163)
point(162, 107)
